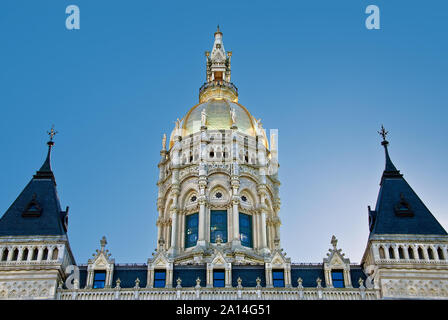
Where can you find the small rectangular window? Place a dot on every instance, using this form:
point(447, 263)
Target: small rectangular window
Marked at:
point(159, 279)
point(337, 276)
point(218, 278)
point(99, 279)
point(278, 278)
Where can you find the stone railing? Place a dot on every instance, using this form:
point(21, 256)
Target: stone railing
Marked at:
point(218, 294)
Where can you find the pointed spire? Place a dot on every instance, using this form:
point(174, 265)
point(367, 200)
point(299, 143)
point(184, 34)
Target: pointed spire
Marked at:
point(218, 31)
point(45, 171)
point(390, 170)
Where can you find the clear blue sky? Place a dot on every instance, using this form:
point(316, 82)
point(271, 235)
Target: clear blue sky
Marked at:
point(308, 68)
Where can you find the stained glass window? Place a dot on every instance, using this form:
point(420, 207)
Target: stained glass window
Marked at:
point(246, 230)
point(218, 225)
point(191, 230)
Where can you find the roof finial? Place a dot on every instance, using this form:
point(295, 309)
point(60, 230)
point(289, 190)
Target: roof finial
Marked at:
point(103, 243)
point(218, 31)
point(383, 133)
point(390, 168)
point(45, 170)
point(52, 133)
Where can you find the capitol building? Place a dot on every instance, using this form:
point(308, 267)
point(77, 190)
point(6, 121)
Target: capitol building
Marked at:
point(218, 225)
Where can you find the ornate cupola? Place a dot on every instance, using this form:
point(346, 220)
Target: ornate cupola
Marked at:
point(218, 182)
point(218, 83)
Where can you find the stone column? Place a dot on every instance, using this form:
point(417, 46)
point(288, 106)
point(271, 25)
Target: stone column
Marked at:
point(202, 199)
point(235, 183)
point(228, 276)
point(268, 275)
point(406, 253)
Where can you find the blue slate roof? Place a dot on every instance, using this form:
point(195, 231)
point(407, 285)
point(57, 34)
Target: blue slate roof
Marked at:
point(396, 193)
point(189, 274)
point(128, 275)
point(309, 274)
point(40, 196)
point(247, 273)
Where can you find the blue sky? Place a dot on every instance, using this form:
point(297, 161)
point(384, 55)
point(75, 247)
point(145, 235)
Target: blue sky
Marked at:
point(308, 68)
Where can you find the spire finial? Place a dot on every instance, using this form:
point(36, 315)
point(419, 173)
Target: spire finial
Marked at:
point(390, 168)
point(52, 133)
point(383, 133)
point(218, 31)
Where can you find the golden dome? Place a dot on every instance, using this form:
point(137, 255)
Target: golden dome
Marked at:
point(218, 117)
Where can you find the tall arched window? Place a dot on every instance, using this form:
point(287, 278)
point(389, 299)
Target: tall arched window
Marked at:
point(420, 253)
point(411, 253)
point(391, 253)
point(382, 253)
point(25, 254)
point(35, 253)
point(55, 254)
point(246, 229)
point(5, 254)
point(430, 254)
point(191, 230)
point(440, 253)
point(45, 254)
point(218, 225)
point(15, 254)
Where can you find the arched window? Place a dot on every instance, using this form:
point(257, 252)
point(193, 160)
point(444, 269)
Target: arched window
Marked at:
point(382, 253)
point(35, 254)
point(25, 254)
point(15, 254)
point(45, 254)
point(55, 254)
point(218, 225)
point(430, 254)
point(411, 253)
point(391, 253)
point(420, 253)
point(400, 253)
point(246, 229)
point(440, 253)
point(5, 254)
point(191, 230)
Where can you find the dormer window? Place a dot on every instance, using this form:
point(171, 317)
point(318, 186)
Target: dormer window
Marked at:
point(337, 277)
point(403, 209)
point(32, 209)
point(99, 279)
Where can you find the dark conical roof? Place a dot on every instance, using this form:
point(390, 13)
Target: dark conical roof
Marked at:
point(37, 210)
point(399, 210)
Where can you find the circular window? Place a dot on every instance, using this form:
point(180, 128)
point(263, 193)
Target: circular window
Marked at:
point(244, 198)
point(218, 195)
point(193, 199)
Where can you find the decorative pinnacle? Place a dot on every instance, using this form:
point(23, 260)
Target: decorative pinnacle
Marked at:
point(52, 133)
point(103, 243)
point(334, 241)
point(383, 133)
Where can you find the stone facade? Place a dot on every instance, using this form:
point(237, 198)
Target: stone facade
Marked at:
point(218, 226)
